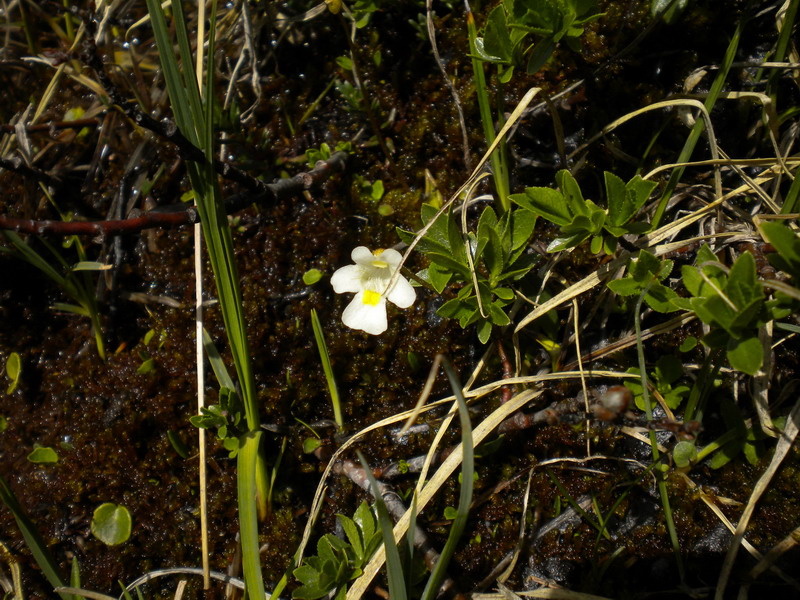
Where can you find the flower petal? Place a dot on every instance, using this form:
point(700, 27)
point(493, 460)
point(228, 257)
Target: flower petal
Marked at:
point(362, 256)
point(402, 294)
point(348, 279)
point(390, 256)
point(370, 318)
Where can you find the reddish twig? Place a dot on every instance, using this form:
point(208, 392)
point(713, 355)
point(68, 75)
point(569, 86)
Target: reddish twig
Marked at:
point(177, 215)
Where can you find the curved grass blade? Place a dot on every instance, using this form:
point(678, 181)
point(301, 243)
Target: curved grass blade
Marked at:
point(33, 540)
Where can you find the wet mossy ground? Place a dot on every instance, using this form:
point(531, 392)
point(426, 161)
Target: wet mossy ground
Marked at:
point(109, 422)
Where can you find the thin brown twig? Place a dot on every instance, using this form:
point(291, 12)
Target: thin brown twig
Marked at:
point(177, 215)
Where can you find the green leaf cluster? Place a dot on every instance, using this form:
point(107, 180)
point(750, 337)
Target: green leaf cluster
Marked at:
point(324, 152)
point(580, 219)
point(509, 25)
point(497, 252)
point(732, 302)
point(645, 274)
point(339, 561)
point(225, 418)
point(668, 371)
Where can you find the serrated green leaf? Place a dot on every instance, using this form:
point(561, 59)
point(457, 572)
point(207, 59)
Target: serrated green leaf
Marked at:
point(742, 286)
point(447, 262)
point(545, 202)
point(493, 254)
point(484, 331)
point(572, 193)
point(661, 298)
point(353, 536)
point(365, 520)
point(523, 223)
point(497, 41)
point(439, 276)
point(497, 315)
point(307, 575)
point(486, 223)
point(627, 286)
point(619, 209)
point(644, 268)
point(745, 355)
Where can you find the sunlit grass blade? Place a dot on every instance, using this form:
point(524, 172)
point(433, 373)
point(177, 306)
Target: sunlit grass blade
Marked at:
point(465, 497)
point(327, 368)
point(248, 514)
point(32, 539)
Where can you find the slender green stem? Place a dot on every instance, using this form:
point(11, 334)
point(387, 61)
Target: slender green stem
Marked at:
point(499, 168)
point(194, 115)
point(648, 409)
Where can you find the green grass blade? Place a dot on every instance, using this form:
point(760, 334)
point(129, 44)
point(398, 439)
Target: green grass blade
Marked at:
point(394, 566)
point(33, 540)
point(172, 72)
point(196, 122)
point(217, 364)
point(327, 368)
point(465, 497)
point(247, 460)
point(190, 83)
point(31, 256)
point(75, 577)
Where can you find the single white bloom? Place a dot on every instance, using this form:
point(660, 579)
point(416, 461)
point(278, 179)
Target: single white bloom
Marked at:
point(369, 279)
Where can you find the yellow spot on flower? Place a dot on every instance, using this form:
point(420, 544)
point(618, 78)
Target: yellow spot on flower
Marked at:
point(381, 264)
point(371, 298)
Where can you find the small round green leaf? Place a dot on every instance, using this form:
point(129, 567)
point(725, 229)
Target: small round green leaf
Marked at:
point(312, 276)
point(43, 455)
point(310, 444)
point(13, 370)
point(688, 344)
point(111, 524)
point(684, 453)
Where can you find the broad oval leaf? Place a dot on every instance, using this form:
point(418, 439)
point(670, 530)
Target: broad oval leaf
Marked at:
point(111, 524)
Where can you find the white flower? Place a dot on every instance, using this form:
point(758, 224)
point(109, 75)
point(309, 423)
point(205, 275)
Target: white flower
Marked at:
point(369, 279)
